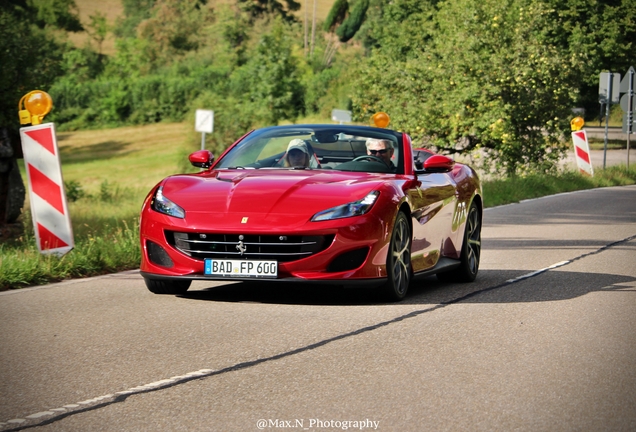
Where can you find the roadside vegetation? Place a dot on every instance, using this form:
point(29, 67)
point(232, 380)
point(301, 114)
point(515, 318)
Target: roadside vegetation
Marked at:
point(459, 76)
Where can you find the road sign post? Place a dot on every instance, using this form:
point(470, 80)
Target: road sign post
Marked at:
point(627, 104)
point(204, 123)
point(342, 116)
point(608, 94)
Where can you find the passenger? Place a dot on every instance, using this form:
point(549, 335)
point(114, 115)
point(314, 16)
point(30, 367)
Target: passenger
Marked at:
point(297, 154)
point(381, 148)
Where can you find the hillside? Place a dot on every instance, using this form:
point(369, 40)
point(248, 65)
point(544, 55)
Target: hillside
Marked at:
point(113, 9)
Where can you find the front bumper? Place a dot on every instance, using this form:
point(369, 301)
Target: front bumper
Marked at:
point(364, 237)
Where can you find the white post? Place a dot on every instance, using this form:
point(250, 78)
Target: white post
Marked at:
point(630, 111)
point(607, 114)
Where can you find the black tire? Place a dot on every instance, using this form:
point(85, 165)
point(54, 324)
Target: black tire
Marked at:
point(159, 286)
point(398, 261)
point(471, 250)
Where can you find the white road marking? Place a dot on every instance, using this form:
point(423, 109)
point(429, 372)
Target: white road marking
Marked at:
point(40, 414)
point(88, 403)
point(536, 272)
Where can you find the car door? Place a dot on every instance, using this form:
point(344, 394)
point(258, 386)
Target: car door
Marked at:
point(433, 203)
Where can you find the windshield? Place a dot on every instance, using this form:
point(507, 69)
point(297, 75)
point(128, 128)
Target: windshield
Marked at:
point(325, 147)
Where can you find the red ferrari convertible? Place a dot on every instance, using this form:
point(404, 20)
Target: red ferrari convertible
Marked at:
point(336, 204)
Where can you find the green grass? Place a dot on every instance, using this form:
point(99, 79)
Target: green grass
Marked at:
point(506, 191)
point(116, 248)
point(135, 157)
point(106, 233)
point(108, 174)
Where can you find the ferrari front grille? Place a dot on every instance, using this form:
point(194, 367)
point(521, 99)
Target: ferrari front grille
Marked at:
point(281, 248)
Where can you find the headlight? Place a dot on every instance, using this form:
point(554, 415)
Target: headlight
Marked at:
point(355, 208)
point(163, 205)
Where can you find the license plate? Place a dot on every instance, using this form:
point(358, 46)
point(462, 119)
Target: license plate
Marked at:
point(241, 268)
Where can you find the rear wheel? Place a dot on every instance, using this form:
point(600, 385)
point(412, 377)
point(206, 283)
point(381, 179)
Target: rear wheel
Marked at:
point(471, 250)
point(159, 286)
point(398, 262)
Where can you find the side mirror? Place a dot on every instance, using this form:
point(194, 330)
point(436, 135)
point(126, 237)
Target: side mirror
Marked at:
point(201, 158)
point(438, 164)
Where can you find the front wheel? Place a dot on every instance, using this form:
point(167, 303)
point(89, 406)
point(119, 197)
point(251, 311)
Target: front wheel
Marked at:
point(160, 286)
point(398, 262)
point(471, 250)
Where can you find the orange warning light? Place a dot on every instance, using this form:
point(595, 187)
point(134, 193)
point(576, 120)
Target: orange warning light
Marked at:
point(37, 104)
point(380, 119)
point(577, 123)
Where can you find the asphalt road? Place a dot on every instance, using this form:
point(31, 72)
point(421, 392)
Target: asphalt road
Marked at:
point(544, 340)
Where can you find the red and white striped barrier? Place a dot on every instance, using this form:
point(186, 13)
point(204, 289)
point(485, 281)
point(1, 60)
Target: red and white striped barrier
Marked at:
point(49, 210)
point(582, 152)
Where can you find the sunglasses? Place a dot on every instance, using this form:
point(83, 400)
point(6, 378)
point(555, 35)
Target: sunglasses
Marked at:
point(373, 152)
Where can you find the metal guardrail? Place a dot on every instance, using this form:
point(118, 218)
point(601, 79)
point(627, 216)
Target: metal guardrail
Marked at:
point(614, 133)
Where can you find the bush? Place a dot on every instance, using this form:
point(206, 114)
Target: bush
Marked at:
point(73, 190)
point(166, 95)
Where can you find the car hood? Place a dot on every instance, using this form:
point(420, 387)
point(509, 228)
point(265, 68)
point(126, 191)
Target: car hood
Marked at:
point(272, 196)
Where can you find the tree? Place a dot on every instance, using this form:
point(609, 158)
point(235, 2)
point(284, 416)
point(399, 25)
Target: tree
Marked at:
point(270, 79)
point(401, 27)
point(30, 54)
point(352, 23)
point(342, 25)
point(258, 8)
point(605, 30)
point(30, 59)
point(337, 15)
point(135, 11)
point(484, 76)
point(98, 29)
point(60, 14)
point(174, 28)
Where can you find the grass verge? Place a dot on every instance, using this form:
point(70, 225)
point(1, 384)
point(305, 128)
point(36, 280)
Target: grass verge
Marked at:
point(106, 232)
point(110, 252)
point(506, 191)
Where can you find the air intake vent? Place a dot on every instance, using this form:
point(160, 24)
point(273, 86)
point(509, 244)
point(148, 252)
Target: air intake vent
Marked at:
point(281, 248)
point(157, 255)
point(348, 261)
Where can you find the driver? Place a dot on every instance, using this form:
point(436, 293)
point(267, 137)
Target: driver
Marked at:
point(381, 148)
point(297, 154)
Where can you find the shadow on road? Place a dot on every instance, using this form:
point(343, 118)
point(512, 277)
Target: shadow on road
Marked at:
point(287, 293)
point(496, 286)
point(491, 286)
